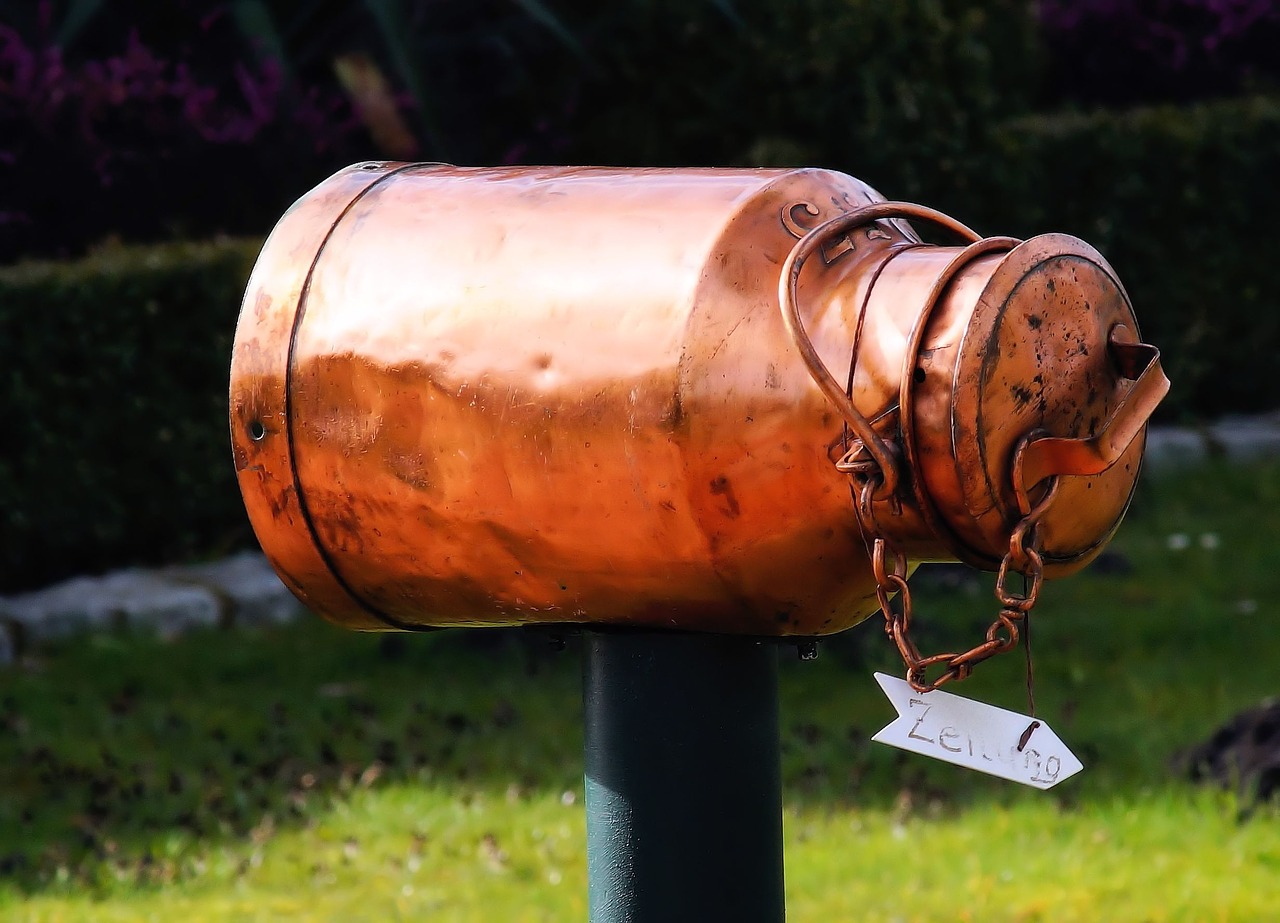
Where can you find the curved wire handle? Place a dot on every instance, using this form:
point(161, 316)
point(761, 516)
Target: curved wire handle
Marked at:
point(876, 446)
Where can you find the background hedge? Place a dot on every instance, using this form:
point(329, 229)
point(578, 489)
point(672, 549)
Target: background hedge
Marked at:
point(115, 418)
point(1182, 201)
point(900, 94)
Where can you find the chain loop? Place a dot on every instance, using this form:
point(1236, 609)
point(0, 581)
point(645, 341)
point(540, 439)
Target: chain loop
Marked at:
point(889, 565)
point(1032, 569)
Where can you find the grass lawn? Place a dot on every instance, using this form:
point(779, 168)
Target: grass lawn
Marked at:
point(311, 774)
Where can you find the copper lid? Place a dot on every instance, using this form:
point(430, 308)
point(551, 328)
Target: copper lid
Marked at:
point(1046, 355)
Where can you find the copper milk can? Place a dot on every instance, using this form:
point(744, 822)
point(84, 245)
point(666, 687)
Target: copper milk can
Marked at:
point(683, 398)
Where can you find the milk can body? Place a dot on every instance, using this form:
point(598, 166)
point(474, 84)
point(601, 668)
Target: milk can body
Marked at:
point(466, 396)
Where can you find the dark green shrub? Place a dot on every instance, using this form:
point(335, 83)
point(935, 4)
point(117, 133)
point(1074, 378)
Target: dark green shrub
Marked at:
point(114, 417)
point(1182, 202)
point(893, 93)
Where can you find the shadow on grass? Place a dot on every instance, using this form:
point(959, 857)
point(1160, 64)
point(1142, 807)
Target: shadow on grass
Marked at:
point(113, 747)
point(124, 752)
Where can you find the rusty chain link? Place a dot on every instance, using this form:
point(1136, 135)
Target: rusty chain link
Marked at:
point(1023, 557)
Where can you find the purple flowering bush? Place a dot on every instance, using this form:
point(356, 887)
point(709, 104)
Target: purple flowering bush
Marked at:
point(1126, 52)
point(153, 120)
point(140, 144)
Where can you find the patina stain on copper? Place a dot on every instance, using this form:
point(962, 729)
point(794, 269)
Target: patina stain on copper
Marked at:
point(468, 396)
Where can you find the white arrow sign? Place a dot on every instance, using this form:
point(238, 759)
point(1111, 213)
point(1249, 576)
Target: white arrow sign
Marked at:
point(972, 734)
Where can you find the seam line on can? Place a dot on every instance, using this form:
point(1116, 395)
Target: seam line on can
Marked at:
point(368, 607)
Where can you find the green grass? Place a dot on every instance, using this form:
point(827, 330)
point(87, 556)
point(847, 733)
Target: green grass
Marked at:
point(311, 774)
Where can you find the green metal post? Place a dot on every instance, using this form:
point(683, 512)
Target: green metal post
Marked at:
point(683, 784)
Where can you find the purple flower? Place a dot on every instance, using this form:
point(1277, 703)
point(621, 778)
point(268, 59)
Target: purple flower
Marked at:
point(104, 132)
point(1116, 51)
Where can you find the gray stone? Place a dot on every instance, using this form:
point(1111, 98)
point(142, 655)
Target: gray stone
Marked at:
point(1171, 446)
point(131, 598)
point(1246, 438)
point(59, 611)
point(246, 585)
point(1235, 438)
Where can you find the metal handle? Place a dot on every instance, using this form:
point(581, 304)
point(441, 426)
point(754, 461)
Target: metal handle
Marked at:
point(1039, 458)
point(877, 447)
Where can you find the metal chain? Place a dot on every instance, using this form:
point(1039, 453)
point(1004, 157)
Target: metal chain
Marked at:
point(1023, 557)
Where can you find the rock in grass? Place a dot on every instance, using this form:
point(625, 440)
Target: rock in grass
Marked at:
point(248, 588)
point(1243, 754)
point(133, 599)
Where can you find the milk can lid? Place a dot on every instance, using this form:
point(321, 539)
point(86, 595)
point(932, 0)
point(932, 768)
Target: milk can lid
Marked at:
point(1039, 357)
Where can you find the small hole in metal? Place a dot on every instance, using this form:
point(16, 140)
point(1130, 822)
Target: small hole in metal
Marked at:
point(257, 430)
point(918, 375)
point(371, 165)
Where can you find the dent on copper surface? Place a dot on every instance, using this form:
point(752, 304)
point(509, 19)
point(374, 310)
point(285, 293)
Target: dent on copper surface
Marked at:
point(493, 396)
